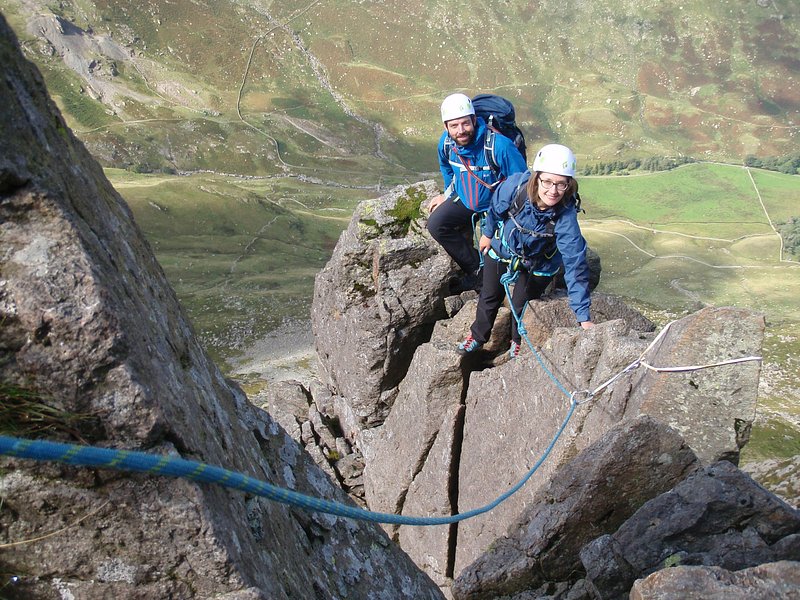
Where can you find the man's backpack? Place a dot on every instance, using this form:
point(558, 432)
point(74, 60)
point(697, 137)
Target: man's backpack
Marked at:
point(499, 114)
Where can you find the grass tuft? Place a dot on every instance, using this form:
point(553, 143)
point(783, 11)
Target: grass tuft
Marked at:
point(24, 413)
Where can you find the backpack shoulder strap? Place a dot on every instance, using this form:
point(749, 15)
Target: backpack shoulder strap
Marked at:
point(520, 197)
point(471, 173)
point(448, 145)
point(488, 150)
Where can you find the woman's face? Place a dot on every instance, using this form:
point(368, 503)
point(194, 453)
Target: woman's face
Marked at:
point(551, 189)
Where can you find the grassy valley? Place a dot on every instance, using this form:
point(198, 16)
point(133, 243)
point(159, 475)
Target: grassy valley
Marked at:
point(241, 253)
point(674, 242)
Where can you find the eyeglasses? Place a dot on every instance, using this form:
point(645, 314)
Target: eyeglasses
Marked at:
point(561, 186)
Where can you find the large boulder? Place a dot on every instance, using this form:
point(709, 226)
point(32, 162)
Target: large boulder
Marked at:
point(94, 341)
point(542, 317)
point(513, 414)
point(718, 517)
point(513, 411)
point(722, 398)
point(595, 492)
point(377, 299)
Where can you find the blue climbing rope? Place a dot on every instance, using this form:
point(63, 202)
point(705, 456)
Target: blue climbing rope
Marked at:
point(171, 466)
point(507, 279)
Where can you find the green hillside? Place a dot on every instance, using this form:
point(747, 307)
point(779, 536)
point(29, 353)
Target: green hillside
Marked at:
point(349, 90)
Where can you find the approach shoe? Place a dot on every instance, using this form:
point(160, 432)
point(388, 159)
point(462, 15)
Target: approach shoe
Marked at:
point(513, 351)
point(471, 281)
point(470, 344)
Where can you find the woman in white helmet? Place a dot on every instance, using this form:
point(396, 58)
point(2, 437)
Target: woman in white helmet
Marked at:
point(469, 180)
point(532, 228)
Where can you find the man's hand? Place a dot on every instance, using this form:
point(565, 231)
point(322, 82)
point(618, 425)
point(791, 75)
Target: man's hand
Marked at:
point(435, 202)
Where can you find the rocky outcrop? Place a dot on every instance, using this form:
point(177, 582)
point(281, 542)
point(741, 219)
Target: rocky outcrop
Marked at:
point(92, 333)
point(377, 300)
point(717, 516)
point(309, 417)
point(461, 431)
point(714, 516)
point(513, 410)
point(595, 492)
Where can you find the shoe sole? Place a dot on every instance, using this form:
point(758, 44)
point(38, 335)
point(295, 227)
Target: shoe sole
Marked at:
point(464, 351)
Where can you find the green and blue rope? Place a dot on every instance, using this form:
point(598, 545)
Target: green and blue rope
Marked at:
point(172, 466)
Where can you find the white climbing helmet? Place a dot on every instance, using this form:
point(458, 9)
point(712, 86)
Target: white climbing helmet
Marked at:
point(456, 106)
point(555, 159)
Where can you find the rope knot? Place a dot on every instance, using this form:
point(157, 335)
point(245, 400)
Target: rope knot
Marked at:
point(573, 397)
point(509, 277)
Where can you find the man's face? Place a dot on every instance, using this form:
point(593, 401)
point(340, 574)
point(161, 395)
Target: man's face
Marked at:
point(462, 130)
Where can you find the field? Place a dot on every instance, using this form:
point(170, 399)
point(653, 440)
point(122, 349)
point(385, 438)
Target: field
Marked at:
point(242, 254)
point(698, 236)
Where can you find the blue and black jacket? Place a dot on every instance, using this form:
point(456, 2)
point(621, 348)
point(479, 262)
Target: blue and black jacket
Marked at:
point(542, 241)
point(459, 182)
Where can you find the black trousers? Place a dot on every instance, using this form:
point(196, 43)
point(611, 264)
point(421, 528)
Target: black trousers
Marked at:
point(527, 287)
point(451, 225)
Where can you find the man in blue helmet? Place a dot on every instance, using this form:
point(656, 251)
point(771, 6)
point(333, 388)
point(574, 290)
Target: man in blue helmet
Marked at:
point(469, 180)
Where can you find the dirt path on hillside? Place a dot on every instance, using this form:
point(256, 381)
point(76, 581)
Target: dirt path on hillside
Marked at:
point(318, 69)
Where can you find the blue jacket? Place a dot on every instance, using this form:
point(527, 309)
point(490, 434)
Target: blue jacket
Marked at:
point(540, 254)
point(457, 181)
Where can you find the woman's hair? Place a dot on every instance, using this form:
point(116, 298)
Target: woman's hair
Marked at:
point(533, 188)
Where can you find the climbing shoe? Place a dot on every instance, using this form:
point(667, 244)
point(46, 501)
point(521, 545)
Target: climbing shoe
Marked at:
point(513, 351)
point(470, 344)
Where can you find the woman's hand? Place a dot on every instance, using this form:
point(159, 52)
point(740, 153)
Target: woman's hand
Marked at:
point(484, 244)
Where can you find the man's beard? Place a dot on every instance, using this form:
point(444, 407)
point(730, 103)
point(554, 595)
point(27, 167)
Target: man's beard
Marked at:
point(465, 141)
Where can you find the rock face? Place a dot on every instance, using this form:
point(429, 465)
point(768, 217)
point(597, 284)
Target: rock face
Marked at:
point(597, 491)
point(772, 580)
point(309, 417)
point(92, 330)
point(373, 301)
point(511, 413)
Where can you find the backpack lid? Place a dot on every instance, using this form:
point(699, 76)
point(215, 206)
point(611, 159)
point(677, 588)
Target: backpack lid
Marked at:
point(497, 107)
point(499, 114)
